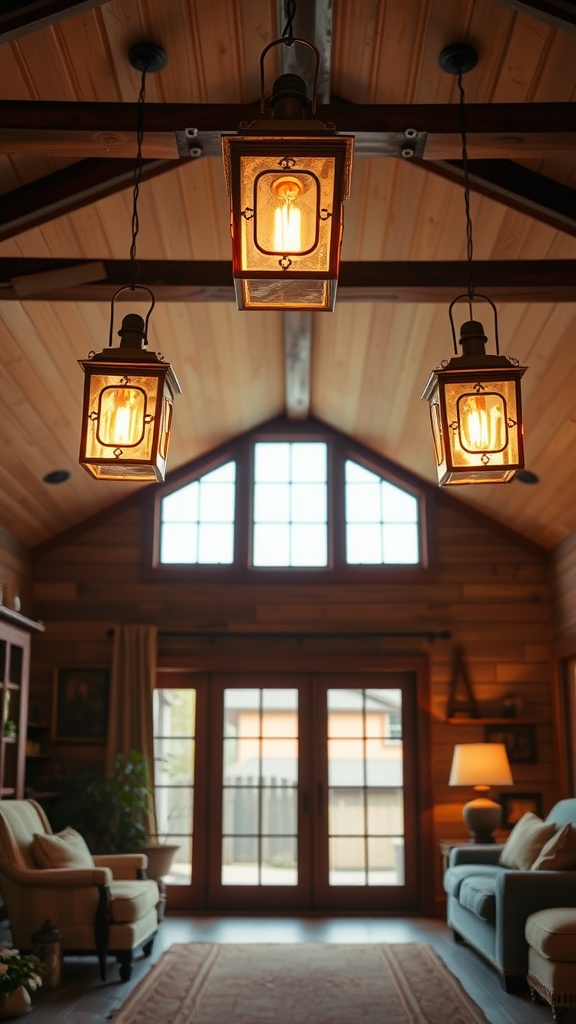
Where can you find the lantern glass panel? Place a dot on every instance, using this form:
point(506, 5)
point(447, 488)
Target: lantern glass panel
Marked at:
point(285, 293)
point(120, 418)
point(311, 251)
point(436, 422)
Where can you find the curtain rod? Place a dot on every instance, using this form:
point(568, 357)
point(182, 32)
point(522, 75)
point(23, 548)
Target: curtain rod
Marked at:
point(213, 634)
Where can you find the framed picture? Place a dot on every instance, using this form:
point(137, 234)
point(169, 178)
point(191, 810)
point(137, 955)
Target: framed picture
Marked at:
point(80, 704)
point(520, 741)
point(514, 805)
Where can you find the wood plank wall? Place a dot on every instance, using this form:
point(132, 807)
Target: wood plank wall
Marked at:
point(15, 573)
point(563, 593)
point(490, 593)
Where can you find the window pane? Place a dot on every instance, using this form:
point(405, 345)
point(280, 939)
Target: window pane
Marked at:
point(271, 461)
point(216, 544)
point(364, 544)
point(308, 545)
point(271, 545)
point(217, 503)
point(400, 544)
point(271, 503)
point(179, 543)
point(400, 507)
point(363, 503)
point(309, 461)
point(309, 503)
point(182, 505)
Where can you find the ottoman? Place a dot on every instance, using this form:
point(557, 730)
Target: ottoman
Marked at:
point(551, 938)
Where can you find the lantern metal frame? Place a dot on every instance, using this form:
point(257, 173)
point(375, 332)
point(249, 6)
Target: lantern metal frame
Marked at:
point(287, 144)
point(129, 391)
point(475, 399)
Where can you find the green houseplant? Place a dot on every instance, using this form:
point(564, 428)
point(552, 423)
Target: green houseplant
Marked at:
point(111, 812)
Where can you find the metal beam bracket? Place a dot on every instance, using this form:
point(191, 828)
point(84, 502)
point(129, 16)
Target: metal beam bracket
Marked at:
point(188, 143)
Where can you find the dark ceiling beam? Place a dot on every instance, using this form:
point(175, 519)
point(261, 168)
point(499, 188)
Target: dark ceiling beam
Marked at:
point(211, 281)
point(557, 13)
point(516, 186)
point(18, 19)
point(495, 130)
point(69, 189)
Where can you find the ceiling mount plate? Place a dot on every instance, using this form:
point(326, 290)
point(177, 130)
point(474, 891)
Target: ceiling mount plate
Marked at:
point(147, 57)
point(458, 57)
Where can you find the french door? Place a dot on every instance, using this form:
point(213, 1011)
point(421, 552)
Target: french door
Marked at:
point(305, 792)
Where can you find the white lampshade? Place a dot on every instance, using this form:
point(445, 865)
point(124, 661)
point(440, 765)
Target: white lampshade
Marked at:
point(480, 765)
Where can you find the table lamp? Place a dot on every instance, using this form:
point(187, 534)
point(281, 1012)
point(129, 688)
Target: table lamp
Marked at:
point(481, 765)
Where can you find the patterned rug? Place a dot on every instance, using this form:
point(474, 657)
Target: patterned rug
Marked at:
point(309, 983)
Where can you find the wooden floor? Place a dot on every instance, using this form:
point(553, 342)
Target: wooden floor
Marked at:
point(84, 999)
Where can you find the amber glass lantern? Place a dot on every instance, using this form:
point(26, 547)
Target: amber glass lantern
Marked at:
point(287, 178)
point(476, 412)
point(127, 415)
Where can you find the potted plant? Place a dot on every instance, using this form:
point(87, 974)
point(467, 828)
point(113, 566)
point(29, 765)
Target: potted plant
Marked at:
point(111, 812)
point(19, 976)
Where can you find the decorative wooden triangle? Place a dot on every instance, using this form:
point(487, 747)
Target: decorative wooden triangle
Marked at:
point(467, 707)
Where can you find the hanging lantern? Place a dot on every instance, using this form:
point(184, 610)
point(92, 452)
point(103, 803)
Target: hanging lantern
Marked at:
point(476, 411)
point(128, 398)
point(475, 400)
point(287, 179)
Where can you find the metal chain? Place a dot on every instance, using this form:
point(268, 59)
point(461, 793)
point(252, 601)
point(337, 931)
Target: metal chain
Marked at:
point(137, 178)
point(288, 30)
point(469, 243)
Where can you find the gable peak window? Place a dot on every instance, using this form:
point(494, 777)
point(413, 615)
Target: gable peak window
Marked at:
point(293, 501)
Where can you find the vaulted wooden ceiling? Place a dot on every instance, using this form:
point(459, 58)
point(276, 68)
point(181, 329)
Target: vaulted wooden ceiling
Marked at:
point(67, 148)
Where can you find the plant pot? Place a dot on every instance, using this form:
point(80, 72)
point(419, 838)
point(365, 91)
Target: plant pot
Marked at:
point(15, 1003)
point(160, 857)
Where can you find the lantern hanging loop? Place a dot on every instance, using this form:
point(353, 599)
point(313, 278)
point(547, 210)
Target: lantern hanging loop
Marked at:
point(289, 41)
point(469, 299)
point(131, 288)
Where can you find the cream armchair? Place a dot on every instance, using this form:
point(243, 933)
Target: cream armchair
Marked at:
point(103, 905)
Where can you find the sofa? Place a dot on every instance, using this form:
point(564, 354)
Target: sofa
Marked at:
point(102, 905)
point(492, 889)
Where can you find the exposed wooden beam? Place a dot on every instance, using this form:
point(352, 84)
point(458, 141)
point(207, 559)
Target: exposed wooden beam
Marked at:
point(18, 19)
point(211, 281)
point(516, 186)
point(558, 13)
point(69, 189)
point(495, 130)
point(297, 363)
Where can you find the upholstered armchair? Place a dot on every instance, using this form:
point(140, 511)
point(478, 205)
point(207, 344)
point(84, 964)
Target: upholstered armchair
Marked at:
point(103, 905)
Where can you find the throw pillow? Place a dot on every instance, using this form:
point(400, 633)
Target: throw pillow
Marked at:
point(559, 853)
point(65, 849)
point(526, 841)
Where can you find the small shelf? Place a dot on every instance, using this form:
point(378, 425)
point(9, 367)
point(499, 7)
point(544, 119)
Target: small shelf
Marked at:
point(492, 721)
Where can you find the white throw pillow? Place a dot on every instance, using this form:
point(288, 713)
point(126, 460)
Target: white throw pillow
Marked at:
point(559, 853)
point(525, 842)
point(65, 849)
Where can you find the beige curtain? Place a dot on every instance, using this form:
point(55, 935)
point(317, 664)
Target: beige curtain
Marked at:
point(130, 722)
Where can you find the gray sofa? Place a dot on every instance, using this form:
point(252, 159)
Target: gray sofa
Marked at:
point(488, 904)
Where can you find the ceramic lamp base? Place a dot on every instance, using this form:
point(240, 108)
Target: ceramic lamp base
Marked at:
point(482, 816)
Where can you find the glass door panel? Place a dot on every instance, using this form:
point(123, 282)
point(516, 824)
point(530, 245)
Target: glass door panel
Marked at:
point(260, 787)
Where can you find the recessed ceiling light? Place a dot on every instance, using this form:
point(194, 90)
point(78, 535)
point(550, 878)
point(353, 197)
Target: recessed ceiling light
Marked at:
point(525, 476)
point(58, 476)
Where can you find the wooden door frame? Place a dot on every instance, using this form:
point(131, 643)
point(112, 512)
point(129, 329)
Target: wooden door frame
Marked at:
point(246, 661)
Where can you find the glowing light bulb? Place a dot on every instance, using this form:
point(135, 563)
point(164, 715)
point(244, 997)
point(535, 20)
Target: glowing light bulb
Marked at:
point(121, 416)
point(287, 216)
point(482, 423)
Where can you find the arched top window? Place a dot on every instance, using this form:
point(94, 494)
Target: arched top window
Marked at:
point(293, 500)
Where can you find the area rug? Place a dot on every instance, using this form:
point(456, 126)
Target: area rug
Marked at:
point(309, 983)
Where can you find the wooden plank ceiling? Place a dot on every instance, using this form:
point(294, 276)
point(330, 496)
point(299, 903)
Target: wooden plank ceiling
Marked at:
point(67, 146)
